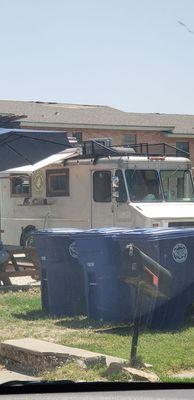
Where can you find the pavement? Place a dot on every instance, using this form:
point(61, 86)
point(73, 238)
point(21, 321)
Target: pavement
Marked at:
point(184, 374)
point(7, 375)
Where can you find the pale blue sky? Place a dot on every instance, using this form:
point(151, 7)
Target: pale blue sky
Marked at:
point(129, 54)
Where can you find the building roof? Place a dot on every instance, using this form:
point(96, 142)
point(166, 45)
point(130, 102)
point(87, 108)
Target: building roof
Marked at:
point(65, 114)
point(179, 124)
point(62, 115)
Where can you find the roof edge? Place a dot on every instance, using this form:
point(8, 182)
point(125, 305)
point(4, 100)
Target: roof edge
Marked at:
point(96, 126)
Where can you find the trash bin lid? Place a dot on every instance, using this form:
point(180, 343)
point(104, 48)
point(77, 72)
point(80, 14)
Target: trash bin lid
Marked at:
point(57, 231)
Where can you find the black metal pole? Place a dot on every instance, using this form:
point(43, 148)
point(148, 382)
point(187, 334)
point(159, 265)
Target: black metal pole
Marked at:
point(133, 358)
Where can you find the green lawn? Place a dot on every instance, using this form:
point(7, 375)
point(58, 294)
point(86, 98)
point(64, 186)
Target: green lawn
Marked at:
point(21, 316)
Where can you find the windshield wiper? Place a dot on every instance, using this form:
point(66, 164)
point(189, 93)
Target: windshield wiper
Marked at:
point(37, 382)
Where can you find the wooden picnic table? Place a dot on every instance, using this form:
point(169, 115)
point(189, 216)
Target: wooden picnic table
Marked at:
point(22, 262)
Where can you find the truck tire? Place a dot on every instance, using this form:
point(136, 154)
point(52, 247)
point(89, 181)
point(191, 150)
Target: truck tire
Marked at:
point(26, 238)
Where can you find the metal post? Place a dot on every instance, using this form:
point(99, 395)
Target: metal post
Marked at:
point(133, 358)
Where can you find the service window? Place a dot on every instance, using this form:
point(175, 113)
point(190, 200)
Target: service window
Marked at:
point(57, 182)
point(20, 186)
point(102, 186)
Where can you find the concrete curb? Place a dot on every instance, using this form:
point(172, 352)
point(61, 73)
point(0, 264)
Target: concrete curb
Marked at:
point(37, 355)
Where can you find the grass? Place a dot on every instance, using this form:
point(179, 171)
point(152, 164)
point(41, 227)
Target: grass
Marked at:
point(72, 371)
point(21, 316)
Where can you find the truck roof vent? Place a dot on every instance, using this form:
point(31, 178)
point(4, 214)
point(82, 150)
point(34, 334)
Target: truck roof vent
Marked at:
point(124, 150)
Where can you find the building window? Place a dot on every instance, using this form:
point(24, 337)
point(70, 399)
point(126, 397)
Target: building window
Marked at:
point(182, 146)
point(129, 138)
point(20, 186)
point(102, 186)
point(57, 182)
point(78, 136)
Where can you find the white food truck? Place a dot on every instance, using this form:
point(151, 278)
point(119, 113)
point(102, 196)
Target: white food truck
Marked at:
point(97, 185)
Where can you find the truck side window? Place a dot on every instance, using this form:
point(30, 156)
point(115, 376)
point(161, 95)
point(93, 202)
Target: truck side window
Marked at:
point(177, 185)
point(102, 186)
point(121, 188)
point(57, 182)
point(20, 186)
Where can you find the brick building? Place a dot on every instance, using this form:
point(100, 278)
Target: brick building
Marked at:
point(93, 121)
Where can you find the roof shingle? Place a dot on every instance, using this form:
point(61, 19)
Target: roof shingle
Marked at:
point(95, 115)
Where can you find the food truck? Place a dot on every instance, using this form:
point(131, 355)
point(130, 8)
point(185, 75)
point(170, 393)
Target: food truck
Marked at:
point(98, 185)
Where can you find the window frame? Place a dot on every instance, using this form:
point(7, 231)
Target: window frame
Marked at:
point(129, 142)
point(20, 195)
point(55, 172)
point(79, 136)
point(179, 149)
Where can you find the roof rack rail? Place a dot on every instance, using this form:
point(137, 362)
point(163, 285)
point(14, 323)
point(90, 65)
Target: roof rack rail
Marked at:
point(93, 148)
point(157, 149)
point(96, 150)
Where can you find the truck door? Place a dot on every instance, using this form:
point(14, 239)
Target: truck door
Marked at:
point(102, 207)
point(122, 215)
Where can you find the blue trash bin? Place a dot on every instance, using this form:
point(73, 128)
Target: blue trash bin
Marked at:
point(108, 298)
point(175, 253)
point(62, 277)
point(100, 252)
point(173, 248)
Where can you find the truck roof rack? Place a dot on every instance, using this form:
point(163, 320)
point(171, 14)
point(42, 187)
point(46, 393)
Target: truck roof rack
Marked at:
point(96, 150)
point(158, 149)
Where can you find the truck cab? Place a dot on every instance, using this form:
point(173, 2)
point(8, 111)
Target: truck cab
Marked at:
point(139, 192)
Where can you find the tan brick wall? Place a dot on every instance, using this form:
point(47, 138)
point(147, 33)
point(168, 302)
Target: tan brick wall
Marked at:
point(117, 136)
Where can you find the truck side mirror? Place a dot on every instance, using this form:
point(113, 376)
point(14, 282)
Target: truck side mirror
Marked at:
point(115, 182)
point(115, 194)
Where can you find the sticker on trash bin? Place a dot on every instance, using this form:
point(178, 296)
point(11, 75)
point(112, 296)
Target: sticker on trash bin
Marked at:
point(73, 250)
point(180, 252)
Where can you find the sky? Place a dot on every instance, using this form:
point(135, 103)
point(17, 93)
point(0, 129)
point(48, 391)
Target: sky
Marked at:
point(129, 54)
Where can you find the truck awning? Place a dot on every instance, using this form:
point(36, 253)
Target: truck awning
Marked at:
point(54, 159)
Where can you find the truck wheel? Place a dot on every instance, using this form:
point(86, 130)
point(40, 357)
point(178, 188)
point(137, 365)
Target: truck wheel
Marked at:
point(26, 238)
point(29, 240)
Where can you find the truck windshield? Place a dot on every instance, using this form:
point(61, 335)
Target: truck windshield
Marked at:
point(143, 185)
point(177, 185)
